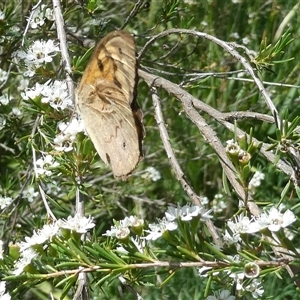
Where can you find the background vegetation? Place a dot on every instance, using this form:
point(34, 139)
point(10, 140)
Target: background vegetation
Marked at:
point(199, 66)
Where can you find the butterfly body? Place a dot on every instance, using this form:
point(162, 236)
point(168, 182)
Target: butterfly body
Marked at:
point(106, 101)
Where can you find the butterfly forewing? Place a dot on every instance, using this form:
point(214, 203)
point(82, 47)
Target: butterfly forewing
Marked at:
point(106, 103)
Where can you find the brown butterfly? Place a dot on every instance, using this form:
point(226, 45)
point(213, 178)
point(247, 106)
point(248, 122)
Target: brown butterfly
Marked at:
point(106, 101)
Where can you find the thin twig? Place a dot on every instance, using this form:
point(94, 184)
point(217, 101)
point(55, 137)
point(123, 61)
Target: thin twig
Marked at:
point(130, 288)
point(29, 19)
point(59, 21)
point(227, 47)
point(82, 292)
point(174, 163)
point(133, 13)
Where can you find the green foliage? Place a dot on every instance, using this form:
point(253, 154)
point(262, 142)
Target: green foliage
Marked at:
point(201, 68)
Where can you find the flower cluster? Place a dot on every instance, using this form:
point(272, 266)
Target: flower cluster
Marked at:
point(151, 173)
point(39, 53)
point(5, 201)
point(256, 181)
point(39, 15)
point(121, 229)
point(43, 165)
point(3, 295)
point(32, 246)
point(54, 93)
point(169, 223)
point(64, 140)
point(273, 220)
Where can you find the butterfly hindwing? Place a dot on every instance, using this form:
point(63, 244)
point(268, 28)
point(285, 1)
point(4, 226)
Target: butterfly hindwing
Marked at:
point(106, 103)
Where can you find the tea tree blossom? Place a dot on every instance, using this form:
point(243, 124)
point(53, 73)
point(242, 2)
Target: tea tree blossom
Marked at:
point(15, 111)
point(5, 99)
point(39, 15)
point(156, 230)
point(3, 75)
point(43, 164)
point(255, 288)
point(77, 223)
point(5, 201)
point(151, 173)
point(64, 140)
point(40, 236)
point(274, 219)
point(251, 270)
point(30, 194)
point(3, 295)
point(24, 261)
point(54, 93)
point(221, 295)
point(122, 227)
point(39, 53)
point(187, 213)
point(241, 224)
point(256, 181)
point(218, 203)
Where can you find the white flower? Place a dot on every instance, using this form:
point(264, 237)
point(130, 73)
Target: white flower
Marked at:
point(77, 223)
point(135, 221)
point(56, 94)
point(238, 278)
point(122, 227)
point(50, 14)
point(43, 164)
point(222, 295)
point(53, 188)
point(186, 213)
point(256, 181)
point(218, 203)
point(32, 93)
point(240, 225)
point(30, 194)
point(3, 74)
point(15, 112)
point(246, 40)
point(275, 220)
point(204, 200)
point(234, 35)
point(24, 261)
point(157, 230)
point(122, 233)
point(5, 201)
point(40, 237)
point(4, 99)
point(39, 53)
point(3, 295)
point(151, 173)
point(64, 140)
point(255, 288)
point(37, 18)
point(2, 15)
